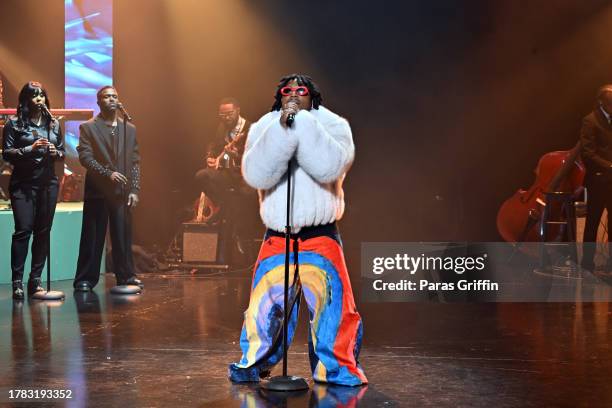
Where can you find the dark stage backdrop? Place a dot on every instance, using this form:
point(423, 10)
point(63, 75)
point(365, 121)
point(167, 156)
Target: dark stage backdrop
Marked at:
point(451, 103)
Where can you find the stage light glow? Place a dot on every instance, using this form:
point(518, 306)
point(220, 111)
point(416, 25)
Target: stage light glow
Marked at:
point(88, 57)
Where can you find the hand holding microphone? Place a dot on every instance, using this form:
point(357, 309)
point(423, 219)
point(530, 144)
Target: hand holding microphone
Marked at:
point(290, 109)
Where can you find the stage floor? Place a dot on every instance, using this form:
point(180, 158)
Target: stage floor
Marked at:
point(171, 346)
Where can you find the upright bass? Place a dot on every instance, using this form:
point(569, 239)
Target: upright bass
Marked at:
point(519, 217)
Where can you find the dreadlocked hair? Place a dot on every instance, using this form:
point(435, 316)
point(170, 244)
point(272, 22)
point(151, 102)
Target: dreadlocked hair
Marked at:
point(302, 80)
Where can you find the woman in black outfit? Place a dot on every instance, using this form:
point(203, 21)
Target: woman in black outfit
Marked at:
point(32, 142)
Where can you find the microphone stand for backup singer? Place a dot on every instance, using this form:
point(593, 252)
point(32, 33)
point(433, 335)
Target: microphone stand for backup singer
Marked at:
point(125, 191)
point(48, 294)
point(286, 382)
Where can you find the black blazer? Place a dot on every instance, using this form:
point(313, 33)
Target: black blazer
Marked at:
point(102, 154)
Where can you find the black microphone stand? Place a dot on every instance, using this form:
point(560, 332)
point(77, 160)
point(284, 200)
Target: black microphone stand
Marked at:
point(48, 294)
point(286, 382)
point(125, 192)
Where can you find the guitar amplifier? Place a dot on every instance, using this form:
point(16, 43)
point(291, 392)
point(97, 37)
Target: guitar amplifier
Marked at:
point(201, 243)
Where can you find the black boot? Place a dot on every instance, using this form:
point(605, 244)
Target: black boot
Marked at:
point(18, 290)
point(34, 286)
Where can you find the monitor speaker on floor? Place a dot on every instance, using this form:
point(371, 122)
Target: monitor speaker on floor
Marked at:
point(201, 244)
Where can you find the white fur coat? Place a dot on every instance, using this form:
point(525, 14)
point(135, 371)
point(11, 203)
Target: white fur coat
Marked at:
point(320, 145)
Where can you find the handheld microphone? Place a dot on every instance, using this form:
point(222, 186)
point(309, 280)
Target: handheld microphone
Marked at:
point(290, 119)
point(45, 110)
point(291, 116)
point(126, 115)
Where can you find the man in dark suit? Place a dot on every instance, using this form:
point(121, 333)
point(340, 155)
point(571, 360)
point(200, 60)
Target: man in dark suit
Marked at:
point(112, 183)
point(596, 139)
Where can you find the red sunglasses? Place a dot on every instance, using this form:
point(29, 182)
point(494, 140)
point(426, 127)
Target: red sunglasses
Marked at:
point(299, 90)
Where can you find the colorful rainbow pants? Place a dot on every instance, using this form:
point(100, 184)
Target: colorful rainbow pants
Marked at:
point(317, 269)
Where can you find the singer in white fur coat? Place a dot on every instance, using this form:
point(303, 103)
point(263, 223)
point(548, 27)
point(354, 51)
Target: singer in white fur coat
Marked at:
point(319, 145)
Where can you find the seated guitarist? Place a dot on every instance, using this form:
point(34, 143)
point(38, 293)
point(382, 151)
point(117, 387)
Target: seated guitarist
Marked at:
point(221, 180)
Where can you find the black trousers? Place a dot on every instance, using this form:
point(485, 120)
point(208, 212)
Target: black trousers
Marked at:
point(98, 214)
point(217, 184)
point(226, 188)
point(33, 215)
point(599, 190)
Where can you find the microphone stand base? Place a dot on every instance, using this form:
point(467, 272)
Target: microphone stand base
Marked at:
point(50, 295)
point(285, 383)
point(126, 290)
